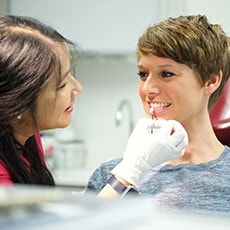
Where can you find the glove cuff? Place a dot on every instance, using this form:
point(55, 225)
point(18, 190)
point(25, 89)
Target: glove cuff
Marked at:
point(132, 172)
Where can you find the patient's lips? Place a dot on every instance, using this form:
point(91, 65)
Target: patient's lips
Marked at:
point(157, 109)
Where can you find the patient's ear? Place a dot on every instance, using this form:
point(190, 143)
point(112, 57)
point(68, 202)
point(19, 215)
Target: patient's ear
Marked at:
point(213, 83)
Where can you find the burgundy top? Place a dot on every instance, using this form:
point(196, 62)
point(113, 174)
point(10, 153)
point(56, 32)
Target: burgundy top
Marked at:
point(5, 177)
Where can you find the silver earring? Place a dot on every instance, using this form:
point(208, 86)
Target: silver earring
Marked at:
point(19, 116)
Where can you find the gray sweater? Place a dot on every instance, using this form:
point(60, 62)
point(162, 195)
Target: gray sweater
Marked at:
point(200, 188)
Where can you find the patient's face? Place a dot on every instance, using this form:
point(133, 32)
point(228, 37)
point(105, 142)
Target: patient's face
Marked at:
point(171, 88)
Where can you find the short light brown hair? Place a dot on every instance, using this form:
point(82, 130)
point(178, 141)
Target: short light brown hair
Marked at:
point(193, 41)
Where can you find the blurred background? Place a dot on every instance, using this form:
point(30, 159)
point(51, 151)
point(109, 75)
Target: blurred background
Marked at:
point(106, 32)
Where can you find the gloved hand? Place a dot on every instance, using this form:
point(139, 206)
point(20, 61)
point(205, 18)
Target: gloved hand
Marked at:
point(146, 149)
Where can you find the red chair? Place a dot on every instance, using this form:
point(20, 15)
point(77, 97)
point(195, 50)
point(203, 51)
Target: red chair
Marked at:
point(220, 116)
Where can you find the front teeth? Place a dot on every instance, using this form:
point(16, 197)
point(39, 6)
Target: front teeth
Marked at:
point(157, 106)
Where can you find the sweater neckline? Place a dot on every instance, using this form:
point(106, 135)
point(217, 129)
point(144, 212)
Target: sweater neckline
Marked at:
point(199, 166)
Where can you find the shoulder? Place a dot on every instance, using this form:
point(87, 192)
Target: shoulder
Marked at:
point(227, 149)
point(225, 156)
point(101, 174)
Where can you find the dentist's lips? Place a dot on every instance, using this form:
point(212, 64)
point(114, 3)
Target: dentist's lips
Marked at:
point(69, 109)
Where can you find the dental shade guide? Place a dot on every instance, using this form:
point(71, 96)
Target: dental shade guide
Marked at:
point(151, 110)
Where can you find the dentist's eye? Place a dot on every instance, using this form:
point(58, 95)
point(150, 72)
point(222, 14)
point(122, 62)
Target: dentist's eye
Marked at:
point(142, 75)
point(61, 86)
point(166, 74)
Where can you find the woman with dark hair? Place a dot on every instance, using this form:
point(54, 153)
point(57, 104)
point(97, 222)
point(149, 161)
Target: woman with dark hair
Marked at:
point(37, 92)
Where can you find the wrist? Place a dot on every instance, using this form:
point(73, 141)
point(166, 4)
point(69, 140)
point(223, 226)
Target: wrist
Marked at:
point(126, 173)
point(121, 186)
point(123, 181)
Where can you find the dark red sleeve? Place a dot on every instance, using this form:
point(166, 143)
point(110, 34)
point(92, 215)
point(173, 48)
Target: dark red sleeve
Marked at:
point(5, 178)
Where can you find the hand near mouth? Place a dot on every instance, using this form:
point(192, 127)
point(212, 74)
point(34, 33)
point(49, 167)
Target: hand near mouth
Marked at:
point(146, 150)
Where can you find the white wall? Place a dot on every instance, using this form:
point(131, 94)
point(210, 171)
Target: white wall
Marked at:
point(94, 24)
point(216, 10)
point(110, 26)
point(4, 6)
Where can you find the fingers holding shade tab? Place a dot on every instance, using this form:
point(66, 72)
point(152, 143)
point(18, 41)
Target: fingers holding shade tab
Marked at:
point(168, 142)
point(146, 150)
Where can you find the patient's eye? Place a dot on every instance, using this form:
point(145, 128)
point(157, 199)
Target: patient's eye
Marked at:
point(143, 75)
point(166, 74)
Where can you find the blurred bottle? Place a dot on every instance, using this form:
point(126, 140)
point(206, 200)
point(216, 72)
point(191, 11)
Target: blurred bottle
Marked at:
point(70, 152)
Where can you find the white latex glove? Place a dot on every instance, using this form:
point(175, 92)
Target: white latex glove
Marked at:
point(145, 150)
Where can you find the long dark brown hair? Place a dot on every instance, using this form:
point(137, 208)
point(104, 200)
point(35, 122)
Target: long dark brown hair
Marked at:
point(27, 59)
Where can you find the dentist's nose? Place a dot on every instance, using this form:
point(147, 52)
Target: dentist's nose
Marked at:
point(78, 88)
